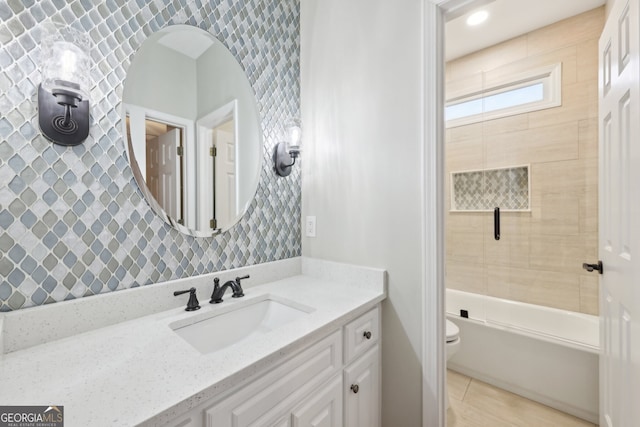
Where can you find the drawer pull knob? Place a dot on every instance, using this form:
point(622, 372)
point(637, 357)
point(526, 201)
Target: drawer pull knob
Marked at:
point(367, 335)
point(355, 388)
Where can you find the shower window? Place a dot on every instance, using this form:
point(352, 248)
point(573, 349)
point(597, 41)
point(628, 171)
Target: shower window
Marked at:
point(535, 90)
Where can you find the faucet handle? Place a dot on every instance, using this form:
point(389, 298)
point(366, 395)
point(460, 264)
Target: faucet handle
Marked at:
point(193, 303)
point(238, 292)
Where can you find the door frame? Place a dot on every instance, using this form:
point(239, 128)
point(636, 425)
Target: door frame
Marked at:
point(435, 13)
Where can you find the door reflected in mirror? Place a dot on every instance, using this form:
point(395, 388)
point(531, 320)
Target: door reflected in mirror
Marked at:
point(219, 170)
point(162, 165)
point(193, 132)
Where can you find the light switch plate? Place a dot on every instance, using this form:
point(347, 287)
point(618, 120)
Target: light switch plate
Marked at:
point(310, 226)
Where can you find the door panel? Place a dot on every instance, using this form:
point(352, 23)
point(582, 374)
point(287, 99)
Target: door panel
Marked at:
point(163, 172)
point(362, 404)
point(225, 191)
point(619, 117)
point(322, 409)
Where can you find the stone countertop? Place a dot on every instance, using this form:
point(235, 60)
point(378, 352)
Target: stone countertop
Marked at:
point(141, 372)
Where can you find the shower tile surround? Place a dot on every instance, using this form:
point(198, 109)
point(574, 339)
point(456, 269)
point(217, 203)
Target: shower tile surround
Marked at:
point(539, 256)
point(73, 222)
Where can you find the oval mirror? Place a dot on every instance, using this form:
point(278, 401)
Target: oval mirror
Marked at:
point(194, 138)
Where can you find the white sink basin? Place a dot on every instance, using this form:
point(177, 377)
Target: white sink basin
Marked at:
point(217, 331)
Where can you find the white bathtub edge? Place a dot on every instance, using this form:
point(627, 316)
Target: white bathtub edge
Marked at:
point(573, 329)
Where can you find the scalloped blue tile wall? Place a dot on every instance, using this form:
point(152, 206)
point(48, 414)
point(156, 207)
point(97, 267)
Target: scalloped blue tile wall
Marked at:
point(73, 222)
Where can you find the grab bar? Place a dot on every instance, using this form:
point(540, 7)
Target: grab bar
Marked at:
point(496, 223)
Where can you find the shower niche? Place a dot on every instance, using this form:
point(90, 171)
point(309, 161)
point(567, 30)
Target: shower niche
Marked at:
point(483, 190)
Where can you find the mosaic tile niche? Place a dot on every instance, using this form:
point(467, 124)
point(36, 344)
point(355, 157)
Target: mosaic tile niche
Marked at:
point(483, 190)
point(73, 222)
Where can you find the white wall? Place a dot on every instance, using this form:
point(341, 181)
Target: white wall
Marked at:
point(169, 88)
point(361, 163)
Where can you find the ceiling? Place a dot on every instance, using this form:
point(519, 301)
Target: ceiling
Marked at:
point(508, 19)
point(186, 42)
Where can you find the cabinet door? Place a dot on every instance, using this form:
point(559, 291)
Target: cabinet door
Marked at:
point(268, 400)
point(362, 391)
point(283, 422)
point(322, 409)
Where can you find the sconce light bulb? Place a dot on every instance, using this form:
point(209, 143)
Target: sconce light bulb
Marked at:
point(294, 137)
point(68, 65)
point(295, 134)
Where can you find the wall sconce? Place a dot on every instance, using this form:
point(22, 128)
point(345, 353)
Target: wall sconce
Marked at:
point(285, 153)
point(63, 95)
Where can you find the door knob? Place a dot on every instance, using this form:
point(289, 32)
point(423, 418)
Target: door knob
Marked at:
point(355, 388)
point(591, 267)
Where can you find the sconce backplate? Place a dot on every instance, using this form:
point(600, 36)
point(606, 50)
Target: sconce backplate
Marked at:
point(49, 111)
point(282, 161)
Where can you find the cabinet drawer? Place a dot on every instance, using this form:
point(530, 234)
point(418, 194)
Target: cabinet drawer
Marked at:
point(268, 399)
point(361, 334)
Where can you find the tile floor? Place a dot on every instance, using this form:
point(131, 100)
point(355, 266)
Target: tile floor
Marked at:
point(478, 404)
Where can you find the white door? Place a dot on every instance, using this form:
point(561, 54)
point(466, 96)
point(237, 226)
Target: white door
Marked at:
point(163, 172)
point(225, 180)
point(619, 210)
point(204, 171)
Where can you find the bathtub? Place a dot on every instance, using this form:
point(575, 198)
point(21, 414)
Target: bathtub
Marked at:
point(544, 354)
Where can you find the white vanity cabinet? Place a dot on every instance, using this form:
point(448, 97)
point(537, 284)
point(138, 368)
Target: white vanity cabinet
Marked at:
point(333, 382)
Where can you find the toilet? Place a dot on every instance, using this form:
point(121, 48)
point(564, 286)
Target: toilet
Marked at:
point(453, 344)
point(453, 338)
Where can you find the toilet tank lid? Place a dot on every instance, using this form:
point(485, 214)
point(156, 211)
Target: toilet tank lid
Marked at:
point(452, 331)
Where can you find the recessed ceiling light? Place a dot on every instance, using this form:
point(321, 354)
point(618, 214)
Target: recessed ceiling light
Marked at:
point(477, 18)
